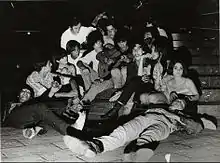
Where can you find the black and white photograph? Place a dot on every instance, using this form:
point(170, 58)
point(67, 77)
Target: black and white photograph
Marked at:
point(110, 81)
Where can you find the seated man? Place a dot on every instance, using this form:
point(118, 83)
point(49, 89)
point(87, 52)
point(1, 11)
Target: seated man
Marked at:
point(28, 113)
point(76, 32)
point(154, 125)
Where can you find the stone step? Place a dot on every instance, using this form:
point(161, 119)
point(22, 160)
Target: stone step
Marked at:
point(195, 35)
point(213, 110)
point(210, 81)
point(210, 95)
point(204, 51)
point(209, 21)
point(206, 42)
point(207, 60)
point(206, 69)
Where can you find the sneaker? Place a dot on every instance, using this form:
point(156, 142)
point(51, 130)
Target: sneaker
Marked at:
point(79, 124)
point(139, 153)
point(31, 132)
point(84, 148)
point(209, 122)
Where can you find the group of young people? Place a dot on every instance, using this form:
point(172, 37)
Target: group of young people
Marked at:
point(136, 64)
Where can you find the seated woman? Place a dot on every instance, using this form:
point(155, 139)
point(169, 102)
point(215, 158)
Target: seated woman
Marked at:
point(180, 85)
point(40, 80)
point(61, 65)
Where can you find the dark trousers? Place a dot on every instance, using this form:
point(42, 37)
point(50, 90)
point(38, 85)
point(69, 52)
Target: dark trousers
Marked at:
point(76, 82)
point(137, 86)
point(36, 114)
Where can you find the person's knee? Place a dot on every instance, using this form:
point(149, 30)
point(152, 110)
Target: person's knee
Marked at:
point(115, 72)
point(86, 72)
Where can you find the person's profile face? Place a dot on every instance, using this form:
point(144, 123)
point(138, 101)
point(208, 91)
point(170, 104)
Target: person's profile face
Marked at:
point(24, 95)
point(75, 29)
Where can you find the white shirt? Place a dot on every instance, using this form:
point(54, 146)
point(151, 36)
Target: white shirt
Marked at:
point(74, 61)
point(91, 57)
point(80, 37)
point(162, 32)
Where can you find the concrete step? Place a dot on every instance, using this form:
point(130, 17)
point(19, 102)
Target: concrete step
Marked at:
point(208, 60)
point(204, 51)
point(207, 69)
point(210, 109)
point(210, 81)
point(210, 95)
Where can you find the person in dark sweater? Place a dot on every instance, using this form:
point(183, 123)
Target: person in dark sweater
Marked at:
point(29, 113)
point(144, 132)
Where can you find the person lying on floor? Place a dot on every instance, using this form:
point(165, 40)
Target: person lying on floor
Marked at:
point(27, 114)
point(149, 128)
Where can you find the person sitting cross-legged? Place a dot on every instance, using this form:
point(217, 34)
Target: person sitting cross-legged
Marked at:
point(143, 132)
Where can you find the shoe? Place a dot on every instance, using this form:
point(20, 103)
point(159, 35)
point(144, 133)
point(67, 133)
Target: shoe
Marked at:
point(209, 122)
point(139, 153)
point(133, 147)
point(85, 148)
point(79, 134)
point(42, 131)
point(79, 124)
point(31, 132)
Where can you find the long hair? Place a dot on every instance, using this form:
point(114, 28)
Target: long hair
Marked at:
point(91, 39)
point(55, 65)
point(185, 69)
point(161, 45)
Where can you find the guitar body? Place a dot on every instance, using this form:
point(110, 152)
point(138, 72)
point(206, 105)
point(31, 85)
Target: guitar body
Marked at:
point(111, 58)
point(103, 71)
